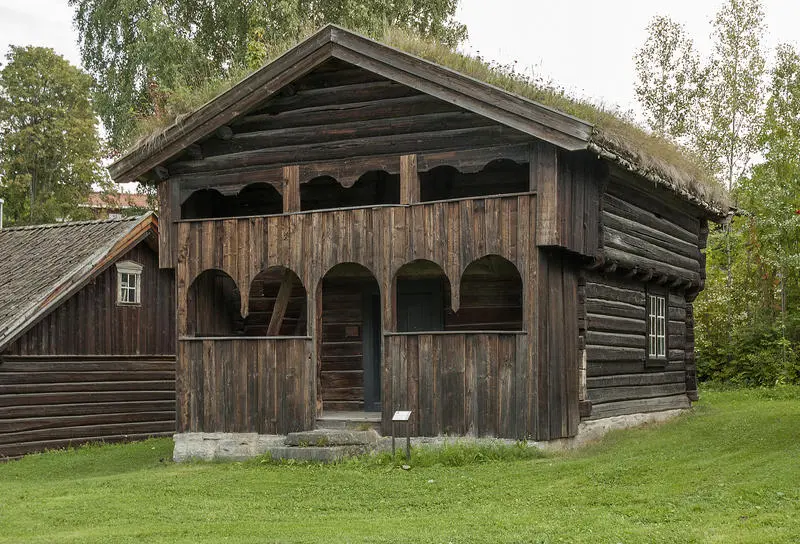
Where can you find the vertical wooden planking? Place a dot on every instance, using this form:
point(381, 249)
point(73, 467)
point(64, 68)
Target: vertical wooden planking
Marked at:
point(500, 349)
point(426, 390)
point(412, 370)
point(470, 392)
point(409, 180)
point(570, 399)
point(544, 169)
point(484, 404)
point(291, 189)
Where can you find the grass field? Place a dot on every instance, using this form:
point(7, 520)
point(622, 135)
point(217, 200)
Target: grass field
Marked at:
point(728, 472)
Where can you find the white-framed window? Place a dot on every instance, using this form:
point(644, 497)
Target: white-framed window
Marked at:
point(129, 282)
point(656, 326)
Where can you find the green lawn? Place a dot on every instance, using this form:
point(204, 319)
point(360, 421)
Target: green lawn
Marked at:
point(729, 472)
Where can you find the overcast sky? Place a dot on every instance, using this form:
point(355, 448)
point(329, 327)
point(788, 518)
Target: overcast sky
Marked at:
point(585, 45)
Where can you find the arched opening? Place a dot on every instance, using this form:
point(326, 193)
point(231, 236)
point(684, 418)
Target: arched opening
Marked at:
point(259, 199)
point(205, 203)
point(502, 176)
point(350, 340)
point(491, 296)
point(214, 306)
point(254, 199)
point(373, 188)
point(277, 304)
point(422, 297)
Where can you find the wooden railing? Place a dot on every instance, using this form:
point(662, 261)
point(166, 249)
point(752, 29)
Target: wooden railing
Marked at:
point(263, 385)
point(458, 383)
point(449, 233)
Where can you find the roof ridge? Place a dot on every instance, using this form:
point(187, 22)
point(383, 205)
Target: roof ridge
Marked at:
point(75, 223)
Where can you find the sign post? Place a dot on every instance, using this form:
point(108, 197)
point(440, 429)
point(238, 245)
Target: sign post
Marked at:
point(402, 415)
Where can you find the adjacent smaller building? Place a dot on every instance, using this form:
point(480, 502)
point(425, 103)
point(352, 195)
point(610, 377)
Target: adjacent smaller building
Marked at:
point(87, 335)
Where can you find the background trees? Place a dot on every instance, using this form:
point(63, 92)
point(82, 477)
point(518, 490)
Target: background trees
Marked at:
point(142, 51)
point(748, 319)
point(49, 146)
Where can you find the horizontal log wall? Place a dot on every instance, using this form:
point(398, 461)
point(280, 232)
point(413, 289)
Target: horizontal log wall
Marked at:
point(649, 229)
point(457, 384)
point(264, 385)
point(55, 402)
point(619, 379)
point(92, 323)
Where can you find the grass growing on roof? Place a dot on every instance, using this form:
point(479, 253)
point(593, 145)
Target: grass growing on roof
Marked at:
point(615, 132)
point(726, 473)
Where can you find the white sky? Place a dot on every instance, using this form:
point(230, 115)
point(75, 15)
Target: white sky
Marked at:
point(585, 45)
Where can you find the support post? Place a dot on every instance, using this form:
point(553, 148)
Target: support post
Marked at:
point(409, 180)
point(291, 189)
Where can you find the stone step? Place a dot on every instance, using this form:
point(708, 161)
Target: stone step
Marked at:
point(332, 437)
point(358, 421)
point(329, 454)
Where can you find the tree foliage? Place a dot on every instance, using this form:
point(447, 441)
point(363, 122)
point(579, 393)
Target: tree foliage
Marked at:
point(733, 101)
point(141, 50)
point(668, 70)
point(748, 316)
point(764, 293)
point(49, 145)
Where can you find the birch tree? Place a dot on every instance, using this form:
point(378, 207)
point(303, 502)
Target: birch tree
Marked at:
point(668, 78)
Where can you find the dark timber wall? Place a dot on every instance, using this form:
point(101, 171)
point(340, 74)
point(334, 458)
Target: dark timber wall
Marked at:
point(93, 370)
point(651, 240)
point(92, 323)
point(619, 379)
point(433, 182)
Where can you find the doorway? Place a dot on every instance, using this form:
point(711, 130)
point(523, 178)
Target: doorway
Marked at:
point(350, 344)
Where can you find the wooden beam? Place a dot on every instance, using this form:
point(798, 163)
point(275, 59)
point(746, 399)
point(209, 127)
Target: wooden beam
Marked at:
point(195, 152)
point(281, 303)
point(224, 132)
point(327, 132)
point(544, 180)
point(345, 148)
point(291, 189)
point(161, 173)
point(409, 180)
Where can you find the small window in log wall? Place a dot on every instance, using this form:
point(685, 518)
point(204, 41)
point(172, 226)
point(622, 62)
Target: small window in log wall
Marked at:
point(499, 177)
point(373, 188)
point(491, 297)
point(277, 304)
point(422, 292)
point(214, 306)
point(656, 326)
point(129, 283)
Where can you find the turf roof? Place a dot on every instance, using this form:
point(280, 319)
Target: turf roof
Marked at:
point(614, 137)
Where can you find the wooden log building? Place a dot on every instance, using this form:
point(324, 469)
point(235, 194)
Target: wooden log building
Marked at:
point(355, 229)
point(87, 335)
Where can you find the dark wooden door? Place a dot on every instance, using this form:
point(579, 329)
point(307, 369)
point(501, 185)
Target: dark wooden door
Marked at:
point(372, 334)
point(420, 305)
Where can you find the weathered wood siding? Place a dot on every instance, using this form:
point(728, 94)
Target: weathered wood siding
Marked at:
point(262, 385)
point(56, 401)
point(619, 379)
point(649, 229)
point(342, 344)
point(460, 383)
point(92, 323)
point(92, 369)
point(569, 187)
point(451, 234)
point(556, 363)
